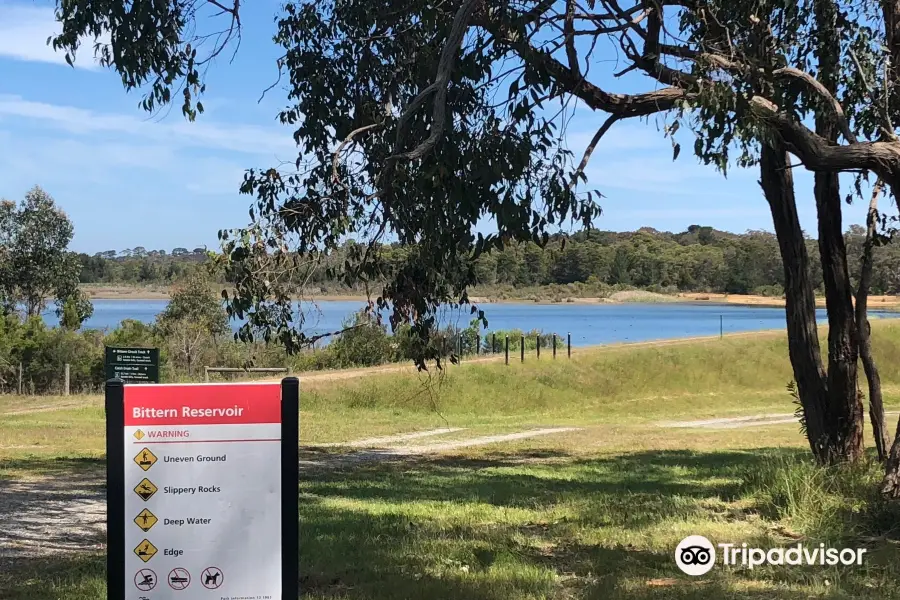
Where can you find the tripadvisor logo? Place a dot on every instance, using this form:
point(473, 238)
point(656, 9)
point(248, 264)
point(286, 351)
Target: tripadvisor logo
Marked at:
point(696, 555)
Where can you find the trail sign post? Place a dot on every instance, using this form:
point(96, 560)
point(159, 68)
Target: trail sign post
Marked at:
point(202, 491)
point(132, 365)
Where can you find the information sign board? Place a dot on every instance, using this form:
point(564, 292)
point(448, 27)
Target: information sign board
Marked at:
point(132, 365)
point(202, 490)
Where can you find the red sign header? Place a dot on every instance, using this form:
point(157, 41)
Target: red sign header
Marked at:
point(216, 404)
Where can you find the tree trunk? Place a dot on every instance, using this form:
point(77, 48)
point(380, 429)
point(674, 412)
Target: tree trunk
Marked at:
point(876, 404)
point(845, 409)
point(845, 412)
point(800, 303)
point(890, 485)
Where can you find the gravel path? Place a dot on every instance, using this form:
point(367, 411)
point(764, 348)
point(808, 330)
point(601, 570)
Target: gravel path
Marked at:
point(740, 422)
point(51, 515)
point(392, 439)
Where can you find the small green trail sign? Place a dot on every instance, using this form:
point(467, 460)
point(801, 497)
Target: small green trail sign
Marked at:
point(132, 365)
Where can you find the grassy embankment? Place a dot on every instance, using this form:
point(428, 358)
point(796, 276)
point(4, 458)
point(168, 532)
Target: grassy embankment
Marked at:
point(589, 514)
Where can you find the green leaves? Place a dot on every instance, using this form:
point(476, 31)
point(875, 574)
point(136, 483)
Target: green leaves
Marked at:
point(73, 309)
point(345, 61)
point(193, 302)
point(35, 263)
point(159, 62)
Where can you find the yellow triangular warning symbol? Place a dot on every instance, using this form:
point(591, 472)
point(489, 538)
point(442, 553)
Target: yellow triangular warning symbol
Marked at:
point(145, 520)
point(145, 550)
point(139, 435)
point(145, 489)
point(145, 459)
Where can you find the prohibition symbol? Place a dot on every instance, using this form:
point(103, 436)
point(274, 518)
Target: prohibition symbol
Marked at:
point(145, 580)
point(212, 578)
point(179, 578)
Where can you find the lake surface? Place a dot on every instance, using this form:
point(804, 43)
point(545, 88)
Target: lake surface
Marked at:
point(589, 324)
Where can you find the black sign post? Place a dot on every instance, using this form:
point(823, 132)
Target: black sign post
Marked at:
point(127, 407)
point(132, 365)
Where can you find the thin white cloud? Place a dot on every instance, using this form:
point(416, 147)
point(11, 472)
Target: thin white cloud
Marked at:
point(24, 30)
point(653, 172)
point(215, 177)
point(245, 139)
point(625, 135)
point(56, 161)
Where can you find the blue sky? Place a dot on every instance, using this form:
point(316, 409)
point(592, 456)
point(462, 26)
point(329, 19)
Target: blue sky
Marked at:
point(127, 179)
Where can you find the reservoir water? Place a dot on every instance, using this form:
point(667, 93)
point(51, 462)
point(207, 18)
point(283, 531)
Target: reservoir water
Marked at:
point(589, 324)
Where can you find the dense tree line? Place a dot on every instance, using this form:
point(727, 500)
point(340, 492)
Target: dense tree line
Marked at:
point(698, 259)
point(139, 266)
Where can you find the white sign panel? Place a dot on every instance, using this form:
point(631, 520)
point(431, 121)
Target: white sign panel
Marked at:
point(203, 492)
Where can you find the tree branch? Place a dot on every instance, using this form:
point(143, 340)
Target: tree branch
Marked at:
point(337, 153)
point(818, 154)
point(438, 88)
point(622, 105)
point(569, 33)
point(590, 149)
point(820, 89)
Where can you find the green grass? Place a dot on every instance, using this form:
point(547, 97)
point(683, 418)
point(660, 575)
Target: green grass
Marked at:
point(624, 385)
point(594, 514)
point(553, 526)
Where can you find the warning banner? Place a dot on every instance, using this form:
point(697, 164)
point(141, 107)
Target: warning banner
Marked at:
point(245, 404)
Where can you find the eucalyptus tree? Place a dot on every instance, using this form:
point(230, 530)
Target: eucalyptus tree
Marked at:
point(35, 262)
point(417, 120)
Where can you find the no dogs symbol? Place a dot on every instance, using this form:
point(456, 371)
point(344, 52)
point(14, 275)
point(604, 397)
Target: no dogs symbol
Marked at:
point(212, 577)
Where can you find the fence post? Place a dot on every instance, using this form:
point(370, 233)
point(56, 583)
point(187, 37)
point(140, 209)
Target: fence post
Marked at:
point(539, 346)
point(66, 384)
point(20, 379)
point(554, 346)
point(507, 354)
point(206, 374)
point(721, 331)
point(522, 349)
point(290, 371)
point(493, 343)
point(477, 344)
point(569, 343)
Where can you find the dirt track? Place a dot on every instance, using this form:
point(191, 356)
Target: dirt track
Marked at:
point(51, 515)
point(739, 422)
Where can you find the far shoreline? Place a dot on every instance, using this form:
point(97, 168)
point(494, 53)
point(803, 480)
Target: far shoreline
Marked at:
point(125, 292)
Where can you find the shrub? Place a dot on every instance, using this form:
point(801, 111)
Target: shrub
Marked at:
point(769, 291)
point(43, 353)
point(367, 344)
point(515, 340)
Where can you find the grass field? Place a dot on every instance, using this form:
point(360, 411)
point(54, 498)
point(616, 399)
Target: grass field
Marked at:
point(594, 513)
